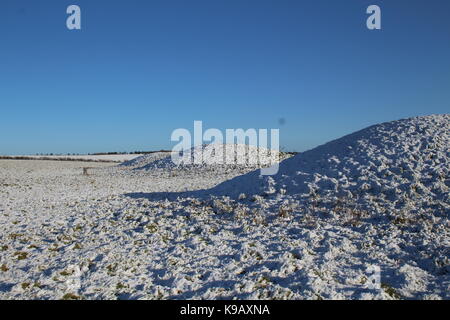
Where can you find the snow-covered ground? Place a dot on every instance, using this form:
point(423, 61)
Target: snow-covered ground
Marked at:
point(144, 230)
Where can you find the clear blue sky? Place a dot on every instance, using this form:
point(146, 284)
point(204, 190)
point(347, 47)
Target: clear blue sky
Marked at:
point(139, 69)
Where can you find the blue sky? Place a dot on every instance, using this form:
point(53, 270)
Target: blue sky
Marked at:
point(140, 69)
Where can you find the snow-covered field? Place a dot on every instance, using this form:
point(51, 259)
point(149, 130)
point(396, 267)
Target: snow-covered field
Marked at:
point(148, 230)
point(93, 158)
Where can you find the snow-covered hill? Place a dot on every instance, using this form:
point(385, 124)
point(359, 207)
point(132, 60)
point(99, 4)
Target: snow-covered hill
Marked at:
point(145, 159)
point(216, 157)
point(392, 161)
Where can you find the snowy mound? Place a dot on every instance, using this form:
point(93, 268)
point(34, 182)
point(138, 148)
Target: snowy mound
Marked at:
point(394, 161)
point(145, 159)
point(210, 156)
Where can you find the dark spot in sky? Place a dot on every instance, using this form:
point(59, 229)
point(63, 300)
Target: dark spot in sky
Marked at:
point(281, 121)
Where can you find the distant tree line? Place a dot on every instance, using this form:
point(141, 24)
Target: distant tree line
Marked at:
point(53, 159)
